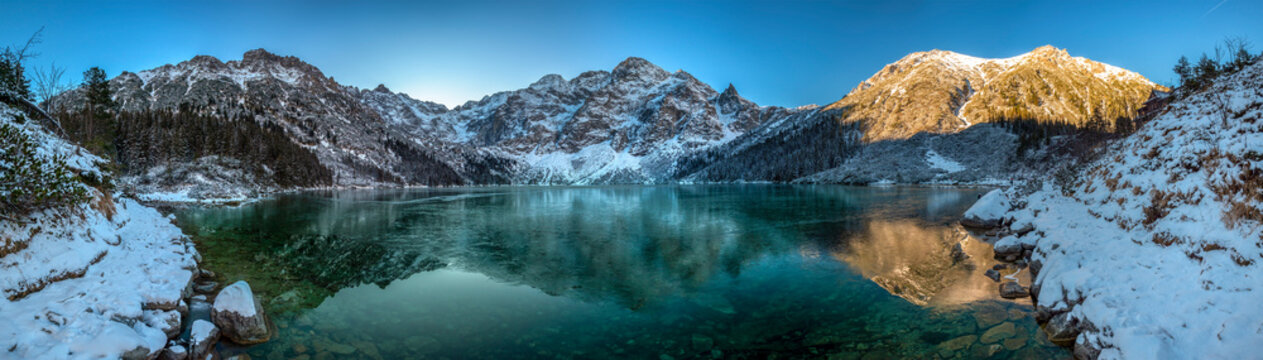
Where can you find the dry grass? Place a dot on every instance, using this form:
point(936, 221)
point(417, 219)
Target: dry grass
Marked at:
point(1165, 239)
point(1160, 204)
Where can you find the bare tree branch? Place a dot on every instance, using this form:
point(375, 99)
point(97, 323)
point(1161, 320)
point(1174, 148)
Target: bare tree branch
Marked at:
point(25, 52)
point(49, 83)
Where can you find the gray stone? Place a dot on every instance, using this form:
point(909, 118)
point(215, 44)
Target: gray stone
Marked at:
point(1062, 329)
point(1013, 290)
point(174, 352)
point(139, 353)
point(1003, 251)
point(202, 338)
point(994, 275)
point(205, 287)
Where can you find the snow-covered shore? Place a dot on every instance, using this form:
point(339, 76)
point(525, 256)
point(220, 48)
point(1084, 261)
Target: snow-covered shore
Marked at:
point(1153, 251)
point(91, 285)
point(101, 279)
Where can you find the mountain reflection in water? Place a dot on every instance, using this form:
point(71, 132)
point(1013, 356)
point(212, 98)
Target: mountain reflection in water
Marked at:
point(737, 264)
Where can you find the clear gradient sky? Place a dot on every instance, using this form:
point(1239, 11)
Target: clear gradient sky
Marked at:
point(775, 52)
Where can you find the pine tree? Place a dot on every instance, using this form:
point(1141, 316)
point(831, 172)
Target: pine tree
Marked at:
point(1184, 71)
point(13, 77)
point(1206, 71)
point(98, 91)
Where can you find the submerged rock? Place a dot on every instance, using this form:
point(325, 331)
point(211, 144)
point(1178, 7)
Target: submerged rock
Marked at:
point(1013, 290)
point(998, 333)
point(947, 348)
point(240, 316)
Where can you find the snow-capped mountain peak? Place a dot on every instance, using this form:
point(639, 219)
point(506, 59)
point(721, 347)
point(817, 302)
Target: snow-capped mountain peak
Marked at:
point(941, 91)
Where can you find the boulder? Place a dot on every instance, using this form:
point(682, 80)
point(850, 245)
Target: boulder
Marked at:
point(139, 353)
point(1062, 329)
point(988, 212)
point(174, 352)
point(989, 313)
point(1013, 290)
point(240, 316)
point(951, 347)
point(1008, 249)
point(202, 338)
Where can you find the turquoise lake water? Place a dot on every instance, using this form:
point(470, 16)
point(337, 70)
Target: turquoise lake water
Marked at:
point(644, 272)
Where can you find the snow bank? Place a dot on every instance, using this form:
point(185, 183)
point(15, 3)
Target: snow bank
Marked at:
point(1156, 250)
point(99, 280)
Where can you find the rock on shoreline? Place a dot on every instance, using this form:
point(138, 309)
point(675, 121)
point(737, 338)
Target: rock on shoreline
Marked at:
point(240, 315)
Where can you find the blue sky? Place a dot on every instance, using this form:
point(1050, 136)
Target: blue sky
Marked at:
point(775, 52)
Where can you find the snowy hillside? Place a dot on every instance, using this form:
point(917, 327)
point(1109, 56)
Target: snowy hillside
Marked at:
point(353, 142)
point(101, 279)
point(915, 121)
point(1153, 251)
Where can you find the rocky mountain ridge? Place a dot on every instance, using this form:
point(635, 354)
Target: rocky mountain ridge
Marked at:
point(638, 123)
point(926, 118)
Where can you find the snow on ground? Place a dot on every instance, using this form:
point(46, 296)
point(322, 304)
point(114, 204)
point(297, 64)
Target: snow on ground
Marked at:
point(937, 161)
point(183, 196)
point(1158, 244)
point(94, 281)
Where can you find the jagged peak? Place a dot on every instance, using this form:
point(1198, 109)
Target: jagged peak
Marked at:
point(684, 75)
point(638, 68)
point(549, 81)
point(381, 88)
point(730, 91)
point(260, 54)
point(206, 60)
point(260, 58)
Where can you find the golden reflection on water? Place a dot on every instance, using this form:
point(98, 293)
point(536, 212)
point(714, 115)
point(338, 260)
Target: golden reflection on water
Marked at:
point(921, 262)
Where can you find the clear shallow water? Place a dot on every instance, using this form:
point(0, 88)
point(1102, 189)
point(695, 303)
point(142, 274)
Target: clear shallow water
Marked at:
point(745, 271)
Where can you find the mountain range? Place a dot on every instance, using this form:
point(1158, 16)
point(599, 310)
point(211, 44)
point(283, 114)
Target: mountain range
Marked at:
point(933, 116)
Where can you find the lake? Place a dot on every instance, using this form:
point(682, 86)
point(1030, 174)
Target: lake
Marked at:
point(645, 272)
